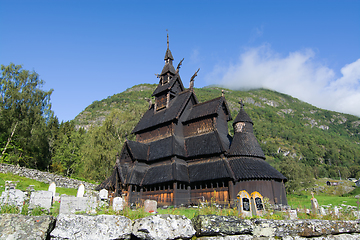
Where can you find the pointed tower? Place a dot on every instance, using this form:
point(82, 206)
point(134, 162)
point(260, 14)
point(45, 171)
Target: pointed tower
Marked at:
point(170, 83)
point(244, 142)
point(247, 161)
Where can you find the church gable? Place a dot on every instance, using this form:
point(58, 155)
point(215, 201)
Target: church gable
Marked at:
point(183, 150)
point(153, 119)
point(125, 156)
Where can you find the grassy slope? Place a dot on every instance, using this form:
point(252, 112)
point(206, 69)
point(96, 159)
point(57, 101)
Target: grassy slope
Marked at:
point(25, 182)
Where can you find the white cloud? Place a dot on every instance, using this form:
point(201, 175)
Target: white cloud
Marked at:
point(298, 75)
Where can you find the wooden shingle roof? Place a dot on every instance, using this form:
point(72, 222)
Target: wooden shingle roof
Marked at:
point(247, 168)
point(208, 170)
point(245, 144)
point(165, 87)
point(139, 151)
point(153, 119)
point(242, 117)
point(205, 144)
point(208, 108)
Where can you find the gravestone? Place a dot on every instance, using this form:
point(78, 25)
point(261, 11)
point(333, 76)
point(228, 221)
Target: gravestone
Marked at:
point(118, 204)
point(42, 199)
point(257, 201)
point(71, 204)
point(292, 214)
point(322, 211)
point(52, 188)
point(150, 206)
point(56, 198)
point(244, 206)
point(80, 191)
point(14, 197)
point(104, 194)
point(314, 204)
point(336, 211)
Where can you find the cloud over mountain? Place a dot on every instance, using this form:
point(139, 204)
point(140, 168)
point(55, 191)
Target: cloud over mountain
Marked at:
point(297, 74)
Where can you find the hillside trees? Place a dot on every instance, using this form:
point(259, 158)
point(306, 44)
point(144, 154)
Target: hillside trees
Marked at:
point(25, 112)
point(67, 149)
point(102, 143)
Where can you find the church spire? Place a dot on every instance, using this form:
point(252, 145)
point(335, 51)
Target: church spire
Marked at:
point(168, 56)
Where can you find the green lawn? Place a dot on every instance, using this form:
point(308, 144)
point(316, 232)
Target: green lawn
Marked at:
point(25, 182)
point(296, 201)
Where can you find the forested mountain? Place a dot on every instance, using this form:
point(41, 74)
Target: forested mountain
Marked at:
point(293, 134)
point(303, 142)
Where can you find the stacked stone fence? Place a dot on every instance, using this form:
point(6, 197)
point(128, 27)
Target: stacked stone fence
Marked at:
point(45, 177)
point(159, 227)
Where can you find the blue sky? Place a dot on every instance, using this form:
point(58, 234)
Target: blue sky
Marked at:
point(89, 50)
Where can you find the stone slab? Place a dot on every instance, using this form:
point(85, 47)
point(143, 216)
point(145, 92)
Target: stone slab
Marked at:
point(17, 226)
point(81, 227)
point(150, 206)
point(52, 188)
point(80, 191)
point(167, 226)
point(118, 204)
point(42, 199)
point(212, 225)
point(103, 194)
point(13, 197)
point(71, 204)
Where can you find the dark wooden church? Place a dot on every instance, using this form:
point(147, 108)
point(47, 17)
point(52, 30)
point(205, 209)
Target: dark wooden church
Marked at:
point(183, 152)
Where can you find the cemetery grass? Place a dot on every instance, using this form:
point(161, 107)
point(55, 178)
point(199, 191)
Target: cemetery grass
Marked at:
point(342, 194)
point(25, 182)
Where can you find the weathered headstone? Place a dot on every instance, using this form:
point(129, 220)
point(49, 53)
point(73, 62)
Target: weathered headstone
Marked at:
point(71, 204)
point(258, 206)
point(13, 197)
point(314, 204)
point(42, 199)
point(104, 194)
point(336, 211)
point(244, 206)
point(118, 204)
point(150, 206)
point(322, 211)
point(80, 191)
point(292, 214)
point(56, 198)
point(52, 188)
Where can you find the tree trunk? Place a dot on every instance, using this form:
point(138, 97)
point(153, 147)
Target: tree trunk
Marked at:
point(8, 141)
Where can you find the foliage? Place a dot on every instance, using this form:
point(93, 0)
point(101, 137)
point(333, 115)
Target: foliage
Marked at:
point(7, 208)
point(301, 141)
point(67, 154)
point(104, 142)
point(24, 116)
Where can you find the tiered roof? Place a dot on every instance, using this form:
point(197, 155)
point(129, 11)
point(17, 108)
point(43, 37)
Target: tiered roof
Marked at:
point(205, 156)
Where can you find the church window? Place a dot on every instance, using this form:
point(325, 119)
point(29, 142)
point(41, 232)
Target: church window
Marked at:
point(161, 102)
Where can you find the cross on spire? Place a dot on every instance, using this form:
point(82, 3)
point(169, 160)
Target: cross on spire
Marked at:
point(167, 38)
point(241, 103)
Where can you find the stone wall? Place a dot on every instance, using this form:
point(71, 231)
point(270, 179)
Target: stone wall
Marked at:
point(45, 177)
point(167, 226)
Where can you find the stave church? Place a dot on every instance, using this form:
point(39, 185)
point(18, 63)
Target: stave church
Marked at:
point(184, 154)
